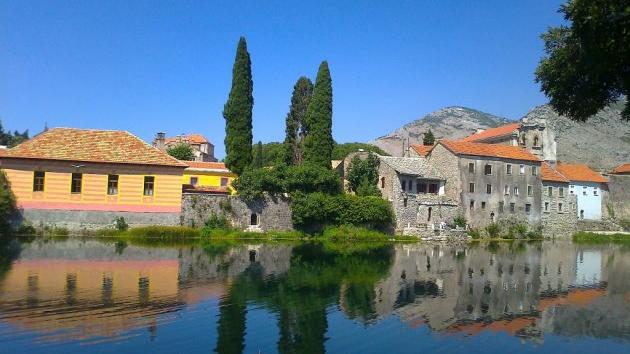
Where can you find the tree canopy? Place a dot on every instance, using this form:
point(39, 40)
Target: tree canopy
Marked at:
point(318, 142)
point(428, 138)
point(181, 151)
point(295, 121)
point(587, 64)
point(11, 139)
point(238, 113)
point(340, 151)
point(363, 175)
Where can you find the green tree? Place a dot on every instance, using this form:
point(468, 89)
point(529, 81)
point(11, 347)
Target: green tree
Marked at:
point(340, 151)
point(8, 206)
point(12, 139)
point(428, 138)
point(363, 175)
point(318, 141)
point(295, 127)
point(181, 151)
point(258, 161)
point(238, 113)
point(587, 64)
point(272, 154)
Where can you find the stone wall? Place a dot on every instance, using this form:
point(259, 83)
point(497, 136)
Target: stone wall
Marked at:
point(447, 164)
point(270, 213)
point(618, 196)
point(556, 222)
point(76, 220)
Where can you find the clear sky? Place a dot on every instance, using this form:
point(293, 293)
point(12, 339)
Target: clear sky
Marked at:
point(148, 66)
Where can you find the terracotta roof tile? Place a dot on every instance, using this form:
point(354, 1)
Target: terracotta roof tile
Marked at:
point(489, 150)
point(625, 168)
point(503, 130)
point(90, 145)
point(207, 165)
point(579, 172)
point(549, 174)
point(422, 150)
point(190, 138)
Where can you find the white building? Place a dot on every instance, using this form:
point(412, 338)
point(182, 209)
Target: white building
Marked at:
point(588, 186)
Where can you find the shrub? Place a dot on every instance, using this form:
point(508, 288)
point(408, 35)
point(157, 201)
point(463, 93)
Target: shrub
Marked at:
point(517, 231)
point(8, 206)
point(493, 230)
point(215, 221)
point(121, 224)
point(536, 234)
point(363, 173)
point(625, 224)
point(474, 233)
point(26, 229)
point(460, 221)
point(349, 232)
point(163, 232)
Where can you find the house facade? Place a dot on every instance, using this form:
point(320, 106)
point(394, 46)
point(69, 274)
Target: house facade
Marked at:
point(208, 177)
point(588, 186)
point(202, 148)
point(558, 204)
point(61, 177)
point(490, 181)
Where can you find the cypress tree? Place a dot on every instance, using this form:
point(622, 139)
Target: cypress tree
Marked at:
point(295, 127)
point(428, 138)
point(318, 142)
point(258, 161)
point(238, 113)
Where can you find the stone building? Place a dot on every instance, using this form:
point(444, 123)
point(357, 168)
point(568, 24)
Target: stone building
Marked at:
point(202, 148)
point(589, 187)
point(558, 205)
point(416, 191)
point(619, 192)
point(490, 181)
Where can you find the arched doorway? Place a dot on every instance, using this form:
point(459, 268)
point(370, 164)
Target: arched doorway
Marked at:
point(253, 219)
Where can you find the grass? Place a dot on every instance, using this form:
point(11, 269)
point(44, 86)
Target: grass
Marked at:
point(593, 238)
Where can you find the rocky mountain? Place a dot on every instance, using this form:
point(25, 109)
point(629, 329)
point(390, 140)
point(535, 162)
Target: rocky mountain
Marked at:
point(601, 142)
point(449, 123)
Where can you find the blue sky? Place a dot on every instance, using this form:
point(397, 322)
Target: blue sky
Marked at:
point(148, 66)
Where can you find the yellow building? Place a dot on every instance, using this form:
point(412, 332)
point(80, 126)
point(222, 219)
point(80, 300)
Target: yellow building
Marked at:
point(80, 178)
point(209, 177)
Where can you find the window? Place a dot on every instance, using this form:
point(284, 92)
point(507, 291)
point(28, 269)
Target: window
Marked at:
point(404, 185)
point(595, 191)
point(528, 208)
point(506, 190)
point(430, 211)
point(584, 190)
point(501, 207)
point(112, 184)
point(75, 186)
point(550, 191)
point(516, 191)
point(487, 169)
point(521, 169)
point(224, 181)
point(405, 202)
point(149, 184)
point(382, 182)
point(508, 169)
point(193, 181)
point(535, 141)
point(471, 167)
point(253, 220)
point(546, 206)
point(483, 205)
point(559, 207)
point(512, 208)
point(38, 181)
point(534, 170)
point(488, 189)
point(530, 191)
point(422, 187)
point(471, 187)
point(472, 204)
point(561, 192)
point(433, 188)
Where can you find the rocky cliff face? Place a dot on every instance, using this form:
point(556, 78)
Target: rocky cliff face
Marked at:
point(448, 123)
point(602, 142)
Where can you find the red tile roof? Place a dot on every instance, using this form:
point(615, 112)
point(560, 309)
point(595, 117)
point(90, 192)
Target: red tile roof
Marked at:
point(3, 151)
point(422, 150)
point(549, 174)
point(489, 150)
point(625, 168)
point(503, 130)
point(207, 165)
point(91, 145)
point(190, 138)
point(579, 172)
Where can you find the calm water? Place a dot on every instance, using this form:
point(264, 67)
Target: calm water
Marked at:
point(78, 295)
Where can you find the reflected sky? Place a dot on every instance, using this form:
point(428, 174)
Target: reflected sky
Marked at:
point(88, 295)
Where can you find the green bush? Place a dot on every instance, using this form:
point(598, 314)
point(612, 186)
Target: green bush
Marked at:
point(26, 229)
point(474, 234)
point(215, 221)
point(8, 206)
point(625, 224)
point(493, 230)
point(363, 175)
point(163, 232)
point(121, 224)
point(517, 231)
point(460, 221)
point(349, 232)
point(536, 234)
point(593, 238)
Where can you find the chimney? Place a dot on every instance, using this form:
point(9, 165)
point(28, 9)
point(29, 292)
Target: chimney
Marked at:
point(160, 141)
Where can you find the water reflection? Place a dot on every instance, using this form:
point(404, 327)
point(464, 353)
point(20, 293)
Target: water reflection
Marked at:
point(73, 290)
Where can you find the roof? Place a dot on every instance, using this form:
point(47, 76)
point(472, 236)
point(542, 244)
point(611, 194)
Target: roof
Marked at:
point(549, 174)
point(3, 151)
point(489, 150)
point(625, 168)
point(503, 130)
point(91, 145)
point(190, 138)
point(422, 150)
point(205, 189)
point(212, 166)
point(413, 166)
point(579, 172)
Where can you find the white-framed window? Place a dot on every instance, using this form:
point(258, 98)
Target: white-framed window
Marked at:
point(506, 190)
point(516, 191)
point(521, 169)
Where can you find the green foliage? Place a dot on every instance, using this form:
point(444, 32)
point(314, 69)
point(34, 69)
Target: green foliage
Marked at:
point(295, 121)
point(518, 230)
point(238, 113)
point(535, 234)
point(460, 221)
point(26, 229)
point(258, 155)
point(8, 207)
point(340, 151)
point(352, 233)
point(181, 151)
point(318, 142)
point(253, 183)
point(10, 139)
point(121, 224)
point(215, 221)
point(625, 224)
point(428, 138)
point(316, 210)
point(474, 234)
point(225, 206)
point(493, 230)
point(272, 154)
point(364, 173)
point(163, 232)
point(586, 64)
point(593, 238)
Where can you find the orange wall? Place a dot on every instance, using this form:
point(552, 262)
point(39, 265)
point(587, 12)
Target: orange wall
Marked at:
point(93, 196)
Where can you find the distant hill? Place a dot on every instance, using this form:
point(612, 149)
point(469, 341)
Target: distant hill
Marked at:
point(602, 142)
point(450, 123)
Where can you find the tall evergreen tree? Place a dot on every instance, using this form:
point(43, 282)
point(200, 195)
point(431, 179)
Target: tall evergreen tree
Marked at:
point(318, 141)
point(295, 122)
point(238, 113)
point(428, 138)
point(258, 161)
